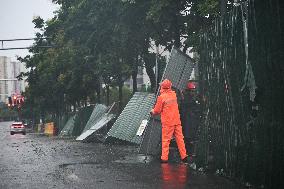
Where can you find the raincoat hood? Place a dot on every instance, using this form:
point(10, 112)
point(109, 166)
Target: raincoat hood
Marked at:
point(166, 84)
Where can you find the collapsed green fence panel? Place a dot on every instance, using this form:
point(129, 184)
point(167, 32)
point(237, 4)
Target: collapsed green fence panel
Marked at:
point(178, 69)
point(83, 120)
point(91, 133)
point(83, 115)
point(151, 143)
point(68, 128)
point(61, 122)
point(98, 112)
point(128, 122)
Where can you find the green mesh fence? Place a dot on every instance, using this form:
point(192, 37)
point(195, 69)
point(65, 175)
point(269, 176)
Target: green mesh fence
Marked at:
point(241, 79)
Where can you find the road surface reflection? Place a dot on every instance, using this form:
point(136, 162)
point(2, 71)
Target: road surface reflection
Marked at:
point(174, 175)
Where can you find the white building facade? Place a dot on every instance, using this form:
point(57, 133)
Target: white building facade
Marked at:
point(9, 84)
point(142, 79)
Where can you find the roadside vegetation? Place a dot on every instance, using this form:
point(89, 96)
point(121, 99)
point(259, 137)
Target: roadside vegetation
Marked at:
point(7, 114)
point(98, 44)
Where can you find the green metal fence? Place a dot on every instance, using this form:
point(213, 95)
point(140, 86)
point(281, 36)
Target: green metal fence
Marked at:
point(67, 129)
point(81, 119)
point(241, 79)
point(128, 122)
point(98, 111)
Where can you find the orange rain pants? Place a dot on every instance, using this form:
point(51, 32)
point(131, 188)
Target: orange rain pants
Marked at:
point(167, 133)
point(171, 125)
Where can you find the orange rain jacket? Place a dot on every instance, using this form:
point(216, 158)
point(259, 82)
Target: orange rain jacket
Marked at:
point(167, 106)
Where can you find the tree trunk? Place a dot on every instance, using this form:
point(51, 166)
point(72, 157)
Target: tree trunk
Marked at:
point(107, 95)
point(134, 75)
point(185, 48)
point(152, 76)
point(75, 106)
point(98, 90)
point(148, 65)
point(177, 37)
point(134, 78)
point(120, 85)
point(177, 42)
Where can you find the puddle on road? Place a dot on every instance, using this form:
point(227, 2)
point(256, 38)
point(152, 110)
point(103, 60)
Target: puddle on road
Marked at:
point(77, 163)
point(137, 158)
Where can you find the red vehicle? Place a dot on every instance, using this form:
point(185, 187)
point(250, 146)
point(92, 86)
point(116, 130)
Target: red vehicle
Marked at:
point(17, 127)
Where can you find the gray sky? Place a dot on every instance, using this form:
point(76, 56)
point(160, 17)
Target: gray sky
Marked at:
point(16, 22)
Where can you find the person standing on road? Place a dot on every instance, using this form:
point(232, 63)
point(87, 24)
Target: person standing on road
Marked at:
point(167, 106)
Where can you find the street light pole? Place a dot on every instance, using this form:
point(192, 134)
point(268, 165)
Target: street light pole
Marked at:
point(157, 66)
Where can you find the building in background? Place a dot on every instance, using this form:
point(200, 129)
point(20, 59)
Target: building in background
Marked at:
point(9, 84)
point(143, 80)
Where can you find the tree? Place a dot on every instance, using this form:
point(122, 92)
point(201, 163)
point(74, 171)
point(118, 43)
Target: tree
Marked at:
point(103, 42)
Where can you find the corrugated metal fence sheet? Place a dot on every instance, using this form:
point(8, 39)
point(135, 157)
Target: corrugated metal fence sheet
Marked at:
point(151, 143)
point(179, 68)
point(128, 122)
point(97, 113)
point(83, 115)
point(69, 126)
point(100, 123)
point(98, 119)
point(76, 123)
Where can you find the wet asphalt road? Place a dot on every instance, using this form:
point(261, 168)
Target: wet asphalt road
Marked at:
point(36, 161)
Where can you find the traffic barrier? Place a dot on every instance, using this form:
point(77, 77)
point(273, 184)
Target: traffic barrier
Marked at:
point(49, 128)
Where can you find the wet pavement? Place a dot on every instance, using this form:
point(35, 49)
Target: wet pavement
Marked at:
point(37, 161)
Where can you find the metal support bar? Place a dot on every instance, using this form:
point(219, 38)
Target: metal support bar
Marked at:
point(23, 39)
point(3, 49)
point(8, 80)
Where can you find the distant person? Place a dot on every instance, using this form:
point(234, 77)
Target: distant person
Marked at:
point(167, 106)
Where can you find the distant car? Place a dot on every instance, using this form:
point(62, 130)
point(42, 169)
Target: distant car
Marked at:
point(17, 127)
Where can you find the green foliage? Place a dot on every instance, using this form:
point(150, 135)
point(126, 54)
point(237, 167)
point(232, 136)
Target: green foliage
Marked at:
point(103, 42)
point(208, 7)
point(114, 97)
point(7, 113)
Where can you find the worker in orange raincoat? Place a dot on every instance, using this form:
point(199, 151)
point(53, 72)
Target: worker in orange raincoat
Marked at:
point(167, 106)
